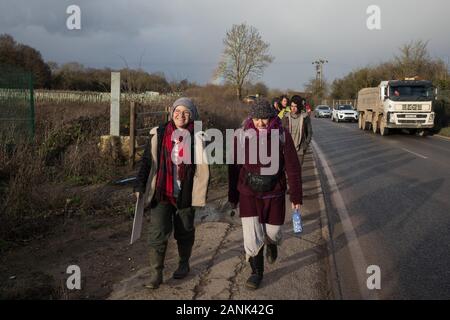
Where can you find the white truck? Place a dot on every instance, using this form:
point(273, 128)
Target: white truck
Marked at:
point(403, 104)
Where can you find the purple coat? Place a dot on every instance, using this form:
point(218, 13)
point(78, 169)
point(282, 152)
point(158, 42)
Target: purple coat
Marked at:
point(269, 206)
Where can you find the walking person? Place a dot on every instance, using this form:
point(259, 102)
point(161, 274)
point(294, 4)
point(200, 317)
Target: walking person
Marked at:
point(285, 106)
point(276, 104)
point(306, 106)
point(261, 198)
point(298, 123)
point(172, 185)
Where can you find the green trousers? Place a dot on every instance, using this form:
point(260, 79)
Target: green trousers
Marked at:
point(165, 217)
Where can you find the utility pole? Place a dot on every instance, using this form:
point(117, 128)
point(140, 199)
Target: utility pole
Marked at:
point(446, 69)
point(319, 70)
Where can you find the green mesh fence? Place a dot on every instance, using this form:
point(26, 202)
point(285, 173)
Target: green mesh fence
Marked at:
point(16, 103)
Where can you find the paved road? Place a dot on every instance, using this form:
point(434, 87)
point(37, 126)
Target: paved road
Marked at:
point(388, 201)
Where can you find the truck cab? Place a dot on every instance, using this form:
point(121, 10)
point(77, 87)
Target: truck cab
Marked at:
point(403, 104)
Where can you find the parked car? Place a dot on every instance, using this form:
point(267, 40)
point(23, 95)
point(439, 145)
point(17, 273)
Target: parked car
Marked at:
point(344, 112)
point(322, 111)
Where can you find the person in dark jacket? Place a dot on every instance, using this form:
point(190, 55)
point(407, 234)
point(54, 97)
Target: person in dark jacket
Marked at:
point(298, 123)
point(172, 189)
point(276, 104)
point(261, 197)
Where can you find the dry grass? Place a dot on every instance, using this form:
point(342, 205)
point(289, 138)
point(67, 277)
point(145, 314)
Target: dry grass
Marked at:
point(62, 172)
point(36, 177)
point(445, 132)
point(218, 107)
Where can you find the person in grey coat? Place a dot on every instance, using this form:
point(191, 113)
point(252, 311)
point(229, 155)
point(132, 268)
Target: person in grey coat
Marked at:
point(298, 123)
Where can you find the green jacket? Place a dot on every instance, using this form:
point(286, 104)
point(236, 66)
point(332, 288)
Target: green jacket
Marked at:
point(282, 112)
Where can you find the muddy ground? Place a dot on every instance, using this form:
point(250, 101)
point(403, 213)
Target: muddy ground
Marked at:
point(98, 243)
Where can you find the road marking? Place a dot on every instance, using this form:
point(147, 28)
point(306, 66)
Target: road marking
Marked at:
point(333, 279)
point(356, 254)
point(419, 155)
point(441, 137)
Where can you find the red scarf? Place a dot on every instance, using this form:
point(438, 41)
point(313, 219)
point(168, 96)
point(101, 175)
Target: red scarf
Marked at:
point(165, 175)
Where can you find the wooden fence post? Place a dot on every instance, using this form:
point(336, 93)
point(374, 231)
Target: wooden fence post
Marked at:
point(132, 132)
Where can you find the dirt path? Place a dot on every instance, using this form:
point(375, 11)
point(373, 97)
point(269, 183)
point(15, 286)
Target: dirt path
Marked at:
point(219, 269)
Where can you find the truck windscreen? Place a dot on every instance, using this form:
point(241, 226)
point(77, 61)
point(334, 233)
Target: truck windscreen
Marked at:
point(410, 93)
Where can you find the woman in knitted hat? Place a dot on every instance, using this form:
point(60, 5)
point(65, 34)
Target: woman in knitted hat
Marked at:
point(261, 196)
point(172, 185)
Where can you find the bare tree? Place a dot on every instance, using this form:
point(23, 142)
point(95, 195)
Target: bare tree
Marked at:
point(413, 59)
point(318, 90)
point(244, 57)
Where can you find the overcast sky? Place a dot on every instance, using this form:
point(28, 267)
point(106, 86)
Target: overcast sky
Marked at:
point(183, 39)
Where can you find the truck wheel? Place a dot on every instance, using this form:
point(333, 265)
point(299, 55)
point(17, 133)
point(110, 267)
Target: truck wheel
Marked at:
point(366, 125)
point(374, 126)
point(360, 122)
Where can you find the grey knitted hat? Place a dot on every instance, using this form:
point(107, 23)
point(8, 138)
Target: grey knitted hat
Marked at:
point(262, 109)
point(188, 103)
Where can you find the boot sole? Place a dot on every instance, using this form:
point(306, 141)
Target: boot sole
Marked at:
point(251, 286)
point(181, 276)
point(151, 287)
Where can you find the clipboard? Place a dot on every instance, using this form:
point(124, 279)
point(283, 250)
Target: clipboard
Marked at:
point(138, 218)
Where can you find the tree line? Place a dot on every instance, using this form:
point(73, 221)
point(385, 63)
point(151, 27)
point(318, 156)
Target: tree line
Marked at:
point(412, 60)
point(75, 76)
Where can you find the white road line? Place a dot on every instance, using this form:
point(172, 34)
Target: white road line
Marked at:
point(356, 254)
point(419, 155)
point(333, 278)
point(441, 137)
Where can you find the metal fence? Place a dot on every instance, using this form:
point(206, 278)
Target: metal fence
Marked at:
point(334, 102)
point(16, 103)
point(64, 97)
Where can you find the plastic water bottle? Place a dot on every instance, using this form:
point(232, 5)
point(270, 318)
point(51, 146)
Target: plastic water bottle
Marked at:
point(297, 221)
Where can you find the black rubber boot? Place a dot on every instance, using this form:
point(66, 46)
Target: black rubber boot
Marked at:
point(184, 252)
point(156, 268)
point(271, 251)
point(257, 264)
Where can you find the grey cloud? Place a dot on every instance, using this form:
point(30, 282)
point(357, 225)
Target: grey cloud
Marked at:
point(112, 16)
point(184, 38)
